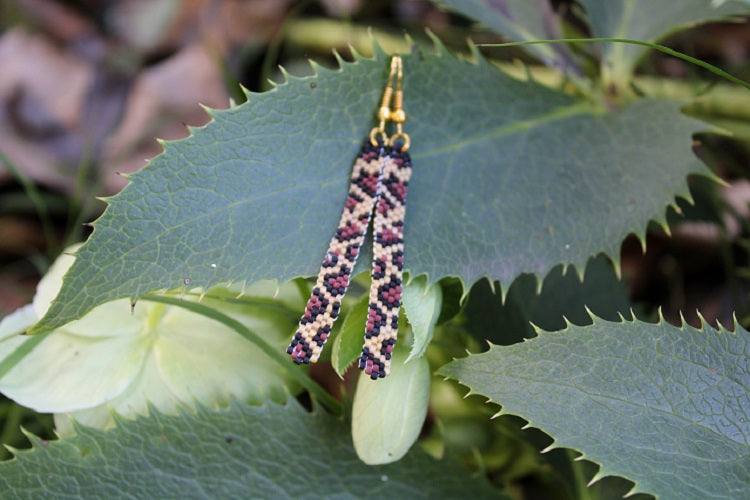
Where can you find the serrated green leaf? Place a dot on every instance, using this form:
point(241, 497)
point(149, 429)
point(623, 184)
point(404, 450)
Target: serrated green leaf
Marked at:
point(347, 346)
point(648, 21)
point(562, 295)
point(388, 414)
point(666, 407)
point(509, 177)
point(521, 20)
point(421, 303)
point(260, 452)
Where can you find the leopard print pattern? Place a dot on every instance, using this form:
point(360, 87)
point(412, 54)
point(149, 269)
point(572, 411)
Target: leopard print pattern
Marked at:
point(333, 279)
point(387, 266)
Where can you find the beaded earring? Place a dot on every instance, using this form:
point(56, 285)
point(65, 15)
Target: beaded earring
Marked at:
point(379, 182)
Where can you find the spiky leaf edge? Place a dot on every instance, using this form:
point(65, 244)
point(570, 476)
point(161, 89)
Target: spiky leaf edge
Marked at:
point(47, 324)
point(557, 443)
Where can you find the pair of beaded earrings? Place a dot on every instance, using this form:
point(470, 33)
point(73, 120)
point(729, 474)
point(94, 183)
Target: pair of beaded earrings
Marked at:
point(379, 181)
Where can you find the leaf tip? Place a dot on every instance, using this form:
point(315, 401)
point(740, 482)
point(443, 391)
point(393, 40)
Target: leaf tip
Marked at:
point(546, 449)
point(664, 225)
point(735, 321)
point(377, 49)
point(683, 323)
point(642, 240)
point(38, 329)
point(12, 450)
point(580, 271)
point(476, 56)
point(538, 285)
point(597, 477)
point(593, 317)
point(491, 282)
point(660, 315)
point(701, 318)
point(339, 60)
point(246, 92)
point(440, 49)
point(28, 434)
point(285, 75)
point(617, 267)
point(713, 177)
point(356, 54)
point(316, 67)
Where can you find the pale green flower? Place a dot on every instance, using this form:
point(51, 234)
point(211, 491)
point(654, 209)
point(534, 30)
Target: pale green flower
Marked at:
point(388, 415)
point(115, 359)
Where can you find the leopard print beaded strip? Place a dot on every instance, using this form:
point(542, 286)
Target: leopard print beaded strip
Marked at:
point(333, 279)
point(380, 177)
point(387, 265)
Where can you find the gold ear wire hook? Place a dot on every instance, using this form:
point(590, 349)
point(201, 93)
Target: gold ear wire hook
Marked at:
point(398, 115)
point(384, 111)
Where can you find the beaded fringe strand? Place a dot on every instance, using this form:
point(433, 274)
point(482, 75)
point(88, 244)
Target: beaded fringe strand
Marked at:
point(333, 278)
point(387, 266)
point(379, 182)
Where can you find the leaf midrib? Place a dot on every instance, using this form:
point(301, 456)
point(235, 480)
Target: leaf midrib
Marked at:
point(560, 113)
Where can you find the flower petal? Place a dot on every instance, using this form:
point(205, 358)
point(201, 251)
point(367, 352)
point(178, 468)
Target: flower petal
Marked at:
point(146, 389)
point(51, 282)
point(388, 414)
point(67, 371)
point(17, 322)
point(194, 358)
point(200, 359)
